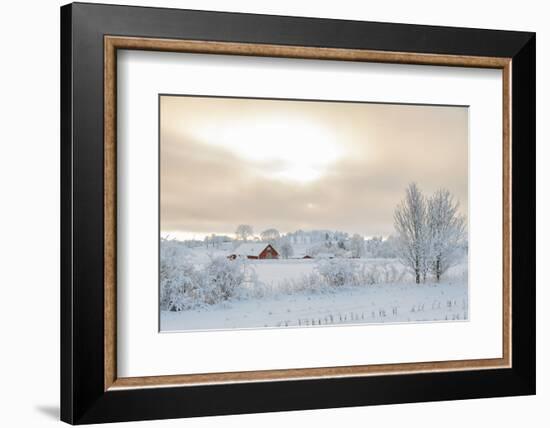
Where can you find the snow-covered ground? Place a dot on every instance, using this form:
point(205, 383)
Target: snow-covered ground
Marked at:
point(278, 302)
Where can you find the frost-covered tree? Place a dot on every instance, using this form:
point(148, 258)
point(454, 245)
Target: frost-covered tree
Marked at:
point(270, 235)
point(244, 231)
point(412, 235)
point(431, 232)
point(357, 246)
point(446, 230)
point(286, 249)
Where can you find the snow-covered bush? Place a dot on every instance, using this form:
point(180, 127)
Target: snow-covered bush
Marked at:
point(179, 280)
point(182, 290)
point(369, 274)
point(334, 273)
point(391, 274)
point(185, 286)
point(222, 278)
point(337, 272)
point(307, 283)
point(380, 273)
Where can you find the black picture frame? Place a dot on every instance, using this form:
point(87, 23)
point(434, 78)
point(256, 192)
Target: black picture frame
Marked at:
point(83, 396)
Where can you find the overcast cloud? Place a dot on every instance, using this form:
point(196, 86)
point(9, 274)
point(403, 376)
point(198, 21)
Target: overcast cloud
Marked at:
point(302, 165)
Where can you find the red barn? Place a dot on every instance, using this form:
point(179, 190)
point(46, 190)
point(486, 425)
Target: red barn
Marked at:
point(255, 251)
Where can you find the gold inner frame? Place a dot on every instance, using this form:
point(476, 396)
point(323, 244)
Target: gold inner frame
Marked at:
point(112, 43)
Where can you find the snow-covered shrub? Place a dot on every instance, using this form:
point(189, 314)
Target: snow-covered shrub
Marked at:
point(181, 290)
point(369, 274)
point(391, 274)
point(380, 273)
point(185, 286)
point(222, 278)
point(179, 280)
point(309, 283)
point(337, 272)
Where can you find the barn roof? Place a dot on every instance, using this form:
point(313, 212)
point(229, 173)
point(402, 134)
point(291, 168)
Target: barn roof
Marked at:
point(253, 249)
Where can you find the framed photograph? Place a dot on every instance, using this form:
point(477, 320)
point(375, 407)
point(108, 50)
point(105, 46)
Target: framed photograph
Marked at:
point(265, 213)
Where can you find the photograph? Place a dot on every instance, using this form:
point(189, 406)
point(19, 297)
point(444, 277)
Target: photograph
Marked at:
point(279, 210)
point(278, 213)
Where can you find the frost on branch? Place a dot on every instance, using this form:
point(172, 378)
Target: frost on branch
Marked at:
point(337, 272)
point(222, 278)
point(270, 235)
point(412, 235)
point(431, 233)
point(184, 286)
point(244, 231)
point(447, 232)
point(179, 286)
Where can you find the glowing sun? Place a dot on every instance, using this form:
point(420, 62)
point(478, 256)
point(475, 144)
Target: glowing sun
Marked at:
point(285, 148)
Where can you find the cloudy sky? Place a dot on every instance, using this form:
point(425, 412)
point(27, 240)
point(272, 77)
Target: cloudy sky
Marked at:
point(302, 165)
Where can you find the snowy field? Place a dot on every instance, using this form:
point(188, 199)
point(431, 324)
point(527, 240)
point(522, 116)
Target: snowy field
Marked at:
point(277, 294)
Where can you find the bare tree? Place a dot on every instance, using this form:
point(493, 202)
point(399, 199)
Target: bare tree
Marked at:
point(357, 246)
point(244, 231)
point(270, 235)
point(447, 231)
point(410, 225)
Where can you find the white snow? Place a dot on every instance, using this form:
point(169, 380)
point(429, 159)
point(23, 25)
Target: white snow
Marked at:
point(279, 297)
point(350, 305)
